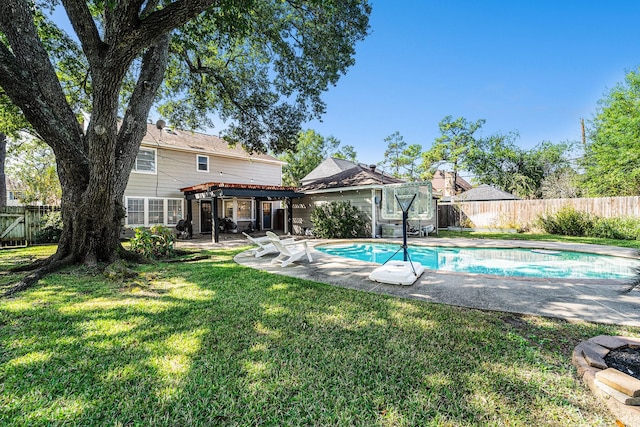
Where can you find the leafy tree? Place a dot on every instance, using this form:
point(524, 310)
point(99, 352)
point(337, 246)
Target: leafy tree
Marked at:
point(499, 162)
point(310, 150)
point(456, 143)
point(261, 65)
point(612, 156)
point(402, 159)
point(393, 158)
point(347, 152)
point(33, 165)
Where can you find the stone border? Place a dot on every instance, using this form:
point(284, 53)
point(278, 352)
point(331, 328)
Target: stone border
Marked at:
point(588, 358)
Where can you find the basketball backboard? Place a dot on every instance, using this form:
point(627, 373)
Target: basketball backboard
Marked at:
point(421, 208)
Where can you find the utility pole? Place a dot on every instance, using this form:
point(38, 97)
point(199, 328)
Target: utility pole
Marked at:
point(584, 137)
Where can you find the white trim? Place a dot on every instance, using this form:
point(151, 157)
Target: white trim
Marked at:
point(155, 162)
point(341, 189)
point(145, 207)
point(198, 163)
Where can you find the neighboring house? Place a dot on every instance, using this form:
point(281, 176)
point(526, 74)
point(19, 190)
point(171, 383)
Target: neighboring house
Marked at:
point(360, 185)
point(448, 183)
point(328, 167)
point(178, 175)
point(455, 211)
point(14, 192)
point(481, 193)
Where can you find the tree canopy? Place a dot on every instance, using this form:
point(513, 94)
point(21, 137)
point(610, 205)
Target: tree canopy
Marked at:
point(402, 159)
point(310, 150)
point(261, 65)
point(457, 140)
point(612, 154)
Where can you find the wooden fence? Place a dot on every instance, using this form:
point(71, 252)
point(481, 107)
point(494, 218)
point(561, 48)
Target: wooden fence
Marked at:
point(524, 213)
point(20, 225)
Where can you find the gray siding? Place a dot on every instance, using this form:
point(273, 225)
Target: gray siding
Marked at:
point(177, 169)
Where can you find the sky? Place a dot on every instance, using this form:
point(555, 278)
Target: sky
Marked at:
point(534, 67)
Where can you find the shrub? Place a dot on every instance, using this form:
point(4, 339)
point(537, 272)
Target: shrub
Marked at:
point(616, 228)
point(155, 242)
point(51, 228)
point(567, 222)
point(338, 220)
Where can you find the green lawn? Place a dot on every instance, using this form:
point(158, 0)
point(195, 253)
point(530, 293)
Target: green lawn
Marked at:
point(214, 343)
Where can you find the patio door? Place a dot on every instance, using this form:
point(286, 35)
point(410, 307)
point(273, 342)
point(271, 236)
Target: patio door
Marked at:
point(267, 217)
point(205, 216)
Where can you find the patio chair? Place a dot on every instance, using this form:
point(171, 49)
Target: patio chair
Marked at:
point(290, 251)
point(264, 245)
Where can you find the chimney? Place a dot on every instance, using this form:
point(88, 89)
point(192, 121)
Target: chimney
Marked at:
point(372, 168)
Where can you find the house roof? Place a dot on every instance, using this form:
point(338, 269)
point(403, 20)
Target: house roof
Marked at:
point(196, 142)
point(328, 167)
point(356, 176)
point(482, 193)
point(438, 182)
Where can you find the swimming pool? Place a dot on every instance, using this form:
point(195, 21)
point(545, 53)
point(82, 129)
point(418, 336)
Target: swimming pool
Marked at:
point(496, 261)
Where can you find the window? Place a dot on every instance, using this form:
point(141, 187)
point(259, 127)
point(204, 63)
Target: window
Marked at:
point(202, 163)
point(244, 209)
point(228, 209)
point(156, 211)
point(174, 211)
point(135, 211)
point(145, 161)
point(144, 211)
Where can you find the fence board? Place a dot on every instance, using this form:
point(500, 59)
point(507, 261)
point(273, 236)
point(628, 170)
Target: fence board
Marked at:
point(524, 213)
point(20, 225)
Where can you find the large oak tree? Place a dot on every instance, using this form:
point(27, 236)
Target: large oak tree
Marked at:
point(261, 65)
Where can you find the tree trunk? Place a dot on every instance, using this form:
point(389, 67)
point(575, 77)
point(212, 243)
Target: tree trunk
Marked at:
point(3, 177)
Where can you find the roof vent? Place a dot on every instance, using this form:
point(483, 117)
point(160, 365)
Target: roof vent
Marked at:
point(373, 168)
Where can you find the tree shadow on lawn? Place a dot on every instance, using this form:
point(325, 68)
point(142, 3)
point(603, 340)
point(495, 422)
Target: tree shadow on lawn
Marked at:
point(214, 343)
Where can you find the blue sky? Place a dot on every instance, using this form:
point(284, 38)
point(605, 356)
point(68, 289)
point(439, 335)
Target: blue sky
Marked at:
point(535, 67)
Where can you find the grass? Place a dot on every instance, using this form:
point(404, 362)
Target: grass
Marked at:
point(214, 343)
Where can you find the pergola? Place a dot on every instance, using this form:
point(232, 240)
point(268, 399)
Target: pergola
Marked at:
point(215, 190)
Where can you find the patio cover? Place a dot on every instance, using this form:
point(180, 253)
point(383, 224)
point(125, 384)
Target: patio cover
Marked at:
point(214, 190)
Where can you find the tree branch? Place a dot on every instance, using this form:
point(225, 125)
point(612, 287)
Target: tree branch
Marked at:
point(154, 64)
point(86, 30)
point(29, 79)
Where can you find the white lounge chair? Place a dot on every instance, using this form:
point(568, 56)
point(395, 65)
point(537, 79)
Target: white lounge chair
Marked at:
point(264, 245)
point(290, 251)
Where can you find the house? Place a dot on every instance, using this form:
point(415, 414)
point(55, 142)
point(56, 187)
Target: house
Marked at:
point(481, 193)
point(14, 192)
point(361, 185)
point(460, 210)
point(448, 183)
point(189, 175)
point(328, 167)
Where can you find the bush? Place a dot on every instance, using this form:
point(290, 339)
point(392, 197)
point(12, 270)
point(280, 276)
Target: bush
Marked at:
point(338, 220)
point(567, 222)
point(616, 228)
point(51, 228)
point(155, 242)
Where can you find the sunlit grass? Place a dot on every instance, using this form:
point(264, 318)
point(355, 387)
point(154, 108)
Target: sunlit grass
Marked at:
point(214, 343)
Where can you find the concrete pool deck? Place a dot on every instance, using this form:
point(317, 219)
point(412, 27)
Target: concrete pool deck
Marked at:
point(600, 301)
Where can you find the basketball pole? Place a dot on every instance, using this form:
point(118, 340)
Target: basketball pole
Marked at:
point(405, 218)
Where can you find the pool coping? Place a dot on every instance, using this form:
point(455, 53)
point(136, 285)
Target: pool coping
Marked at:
point(591, 300)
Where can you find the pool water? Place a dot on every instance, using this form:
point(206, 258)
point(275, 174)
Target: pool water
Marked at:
point(496, 261)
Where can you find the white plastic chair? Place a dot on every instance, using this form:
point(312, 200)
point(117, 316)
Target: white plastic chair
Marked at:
point(264, 245)
point(290, 251)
